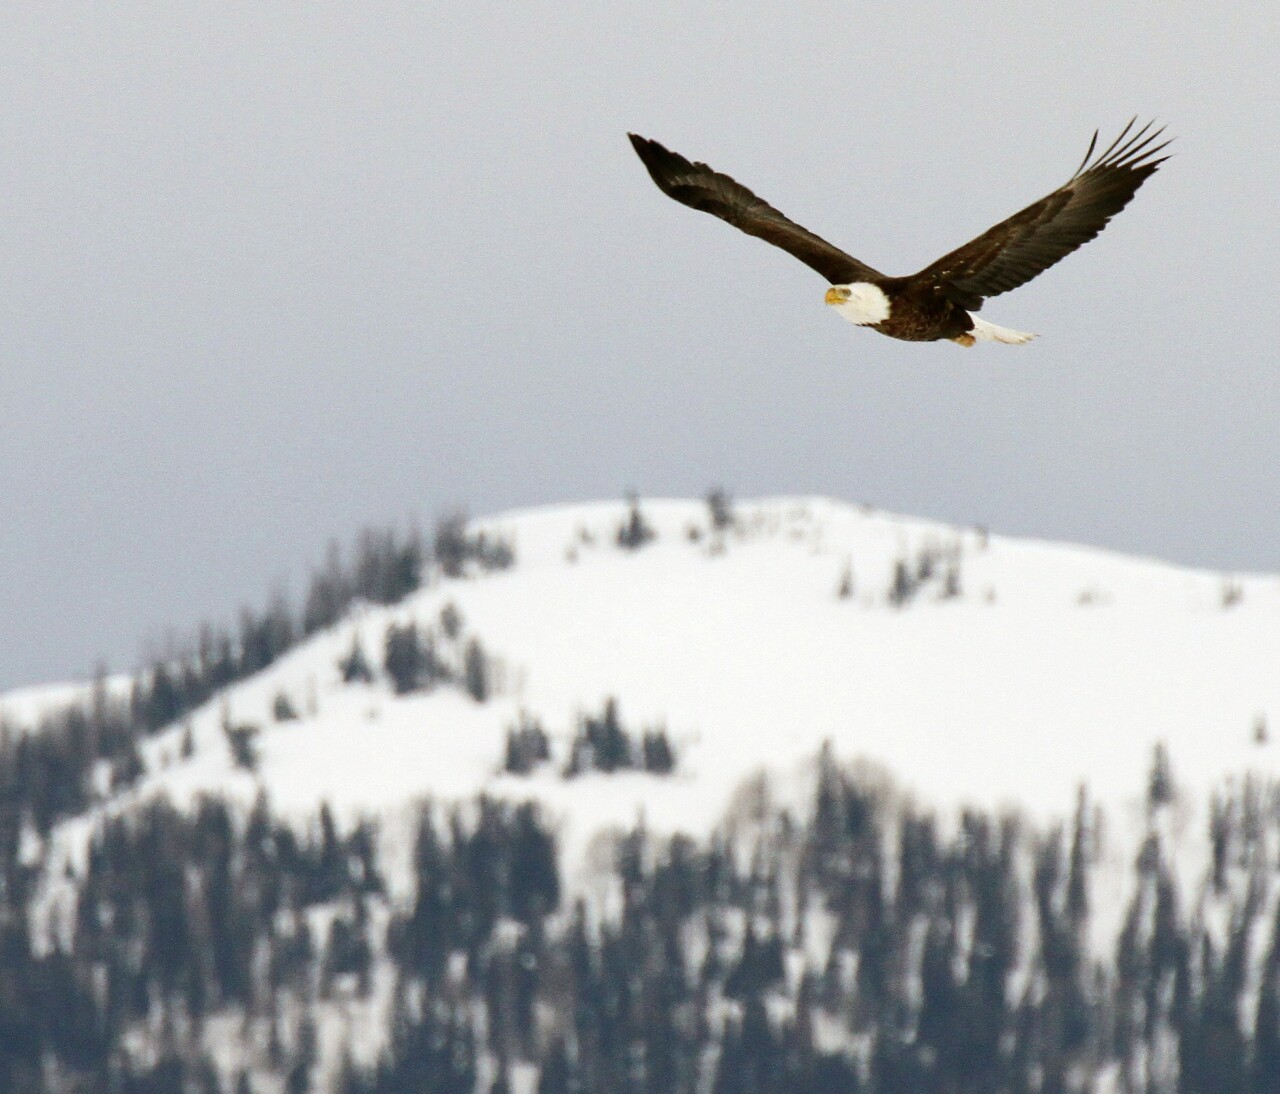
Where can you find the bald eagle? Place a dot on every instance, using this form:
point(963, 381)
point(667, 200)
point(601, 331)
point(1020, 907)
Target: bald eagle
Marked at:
point(939, 301)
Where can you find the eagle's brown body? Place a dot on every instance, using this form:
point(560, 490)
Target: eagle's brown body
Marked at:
point(921, 312)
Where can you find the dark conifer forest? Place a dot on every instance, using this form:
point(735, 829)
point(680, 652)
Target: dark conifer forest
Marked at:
point(857, 945)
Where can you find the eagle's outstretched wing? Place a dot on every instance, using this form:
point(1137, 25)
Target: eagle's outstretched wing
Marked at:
point(699, 187)
point(1029, 242)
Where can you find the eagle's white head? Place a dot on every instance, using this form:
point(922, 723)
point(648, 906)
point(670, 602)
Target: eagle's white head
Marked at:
point(860, 302)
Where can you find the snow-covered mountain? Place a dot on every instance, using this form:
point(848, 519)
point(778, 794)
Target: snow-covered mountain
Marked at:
point(956, 668)
point(1015, 672)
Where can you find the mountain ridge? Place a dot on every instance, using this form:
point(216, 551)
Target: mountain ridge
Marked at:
point(774, 748)
point(1041, 668)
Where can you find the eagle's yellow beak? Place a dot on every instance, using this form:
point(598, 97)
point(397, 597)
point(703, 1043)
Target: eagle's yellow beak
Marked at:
point(837, 295)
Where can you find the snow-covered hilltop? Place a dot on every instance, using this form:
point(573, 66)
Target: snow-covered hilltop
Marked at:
point(642, 664)
point(973, 668)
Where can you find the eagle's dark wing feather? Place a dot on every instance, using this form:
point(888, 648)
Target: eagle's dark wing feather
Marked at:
point(699, 187)
point(1029, 242)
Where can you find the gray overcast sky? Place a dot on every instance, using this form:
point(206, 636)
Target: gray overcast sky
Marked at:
point(276, 271)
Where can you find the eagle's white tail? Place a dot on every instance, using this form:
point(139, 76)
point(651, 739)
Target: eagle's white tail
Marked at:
point(989, 332)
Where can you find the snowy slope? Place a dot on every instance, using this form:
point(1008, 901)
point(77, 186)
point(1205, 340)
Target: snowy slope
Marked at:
point(1053, 666)
point(1010, 675)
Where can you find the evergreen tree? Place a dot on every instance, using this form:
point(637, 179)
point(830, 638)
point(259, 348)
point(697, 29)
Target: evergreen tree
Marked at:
point(347, 951)
point(475, 672)
point(328, 594)
point(720, 509)
point(159, 699)
point(601, 744)
point(451, 621)
point(386, 570)
point(298, 1080)
point(1265, 1067)
point(127, 767)
point(903, 587)
point(422, 941)
point(1077, 906)
point(534, 876)
point(355, 666)
point(951, 588)
point(282, 708)
point(758, 969)
point(408, 658)
point(243, 742)
point(452, 548)
point(634, 532)
point(558, 1074)
point(658, 757)
point(1160, 788)
point(527, 746)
